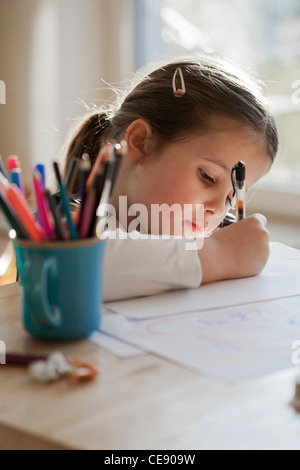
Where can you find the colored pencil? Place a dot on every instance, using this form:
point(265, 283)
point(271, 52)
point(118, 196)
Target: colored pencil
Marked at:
point(12, 217)
point(90, 208)
point(65, 202)
point(43, 206)
point(16, 199)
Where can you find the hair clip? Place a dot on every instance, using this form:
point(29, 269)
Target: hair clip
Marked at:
point(178, 92)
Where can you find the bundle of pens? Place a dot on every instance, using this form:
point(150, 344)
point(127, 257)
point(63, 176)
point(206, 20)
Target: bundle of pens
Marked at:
point(54, 219)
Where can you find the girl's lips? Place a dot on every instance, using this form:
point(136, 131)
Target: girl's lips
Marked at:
point(194, 228)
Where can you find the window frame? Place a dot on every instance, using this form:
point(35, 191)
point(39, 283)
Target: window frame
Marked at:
point(281, 202)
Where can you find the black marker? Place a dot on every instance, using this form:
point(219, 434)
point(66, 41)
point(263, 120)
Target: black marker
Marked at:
point(59, 230)
point(84, 172)
point(240, 176)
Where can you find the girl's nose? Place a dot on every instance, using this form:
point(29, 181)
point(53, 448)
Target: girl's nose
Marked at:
point(216, 207)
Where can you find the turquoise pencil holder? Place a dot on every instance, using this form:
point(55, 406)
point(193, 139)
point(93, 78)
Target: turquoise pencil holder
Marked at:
point(61, 287)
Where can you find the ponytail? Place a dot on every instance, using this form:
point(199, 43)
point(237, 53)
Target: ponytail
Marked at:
point(88, 137)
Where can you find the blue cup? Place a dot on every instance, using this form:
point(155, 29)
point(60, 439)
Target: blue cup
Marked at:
point(61, 287)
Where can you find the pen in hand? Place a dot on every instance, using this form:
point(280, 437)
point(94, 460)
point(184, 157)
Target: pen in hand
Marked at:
point(240, 175)
point(239, 188)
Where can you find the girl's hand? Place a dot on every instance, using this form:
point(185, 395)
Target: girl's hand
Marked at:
point(239, 250)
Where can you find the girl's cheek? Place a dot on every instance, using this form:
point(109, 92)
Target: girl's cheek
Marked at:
point(185, 193)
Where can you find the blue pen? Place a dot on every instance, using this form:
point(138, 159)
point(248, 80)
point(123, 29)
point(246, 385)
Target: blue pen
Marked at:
point(65, 202)
point(16, 178)
point(40, 167)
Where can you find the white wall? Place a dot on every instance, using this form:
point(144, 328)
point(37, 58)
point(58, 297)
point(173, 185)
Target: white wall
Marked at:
point(54, 53)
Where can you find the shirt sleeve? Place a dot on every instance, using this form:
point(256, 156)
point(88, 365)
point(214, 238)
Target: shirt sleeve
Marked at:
point(136, 266)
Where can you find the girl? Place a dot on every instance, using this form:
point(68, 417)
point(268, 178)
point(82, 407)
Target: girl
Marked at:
point(186, 125)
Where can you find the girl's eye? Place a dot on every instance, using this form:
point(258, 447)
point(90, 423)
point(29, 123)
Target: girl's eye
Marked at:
point(205, 176)
point(208, 178)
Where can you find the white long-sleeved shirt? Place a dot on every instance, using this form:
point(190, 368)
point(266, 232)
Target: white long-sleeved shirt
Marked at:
point(138, 267)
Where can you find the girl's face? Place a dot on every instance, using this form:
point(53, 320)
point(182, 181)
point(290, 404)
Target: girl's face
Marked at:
point(198, 171)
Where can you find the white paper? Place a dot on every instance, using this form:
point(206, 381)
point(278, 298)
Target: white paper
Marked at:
point(230, 344)
point(115, 346)
point(280, 278)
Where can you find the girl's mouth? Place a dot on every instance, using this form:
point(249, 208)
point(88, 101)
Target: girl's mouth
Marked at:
point(191, 228)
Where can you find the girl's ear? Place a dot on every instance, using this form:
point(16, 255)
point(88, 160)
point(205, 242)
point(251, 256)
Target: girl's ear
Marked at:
point(137, 139)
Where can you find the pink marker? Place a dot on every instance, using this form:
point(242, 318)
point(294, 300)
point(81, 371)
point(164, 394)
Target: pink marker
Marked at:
point(45, 217)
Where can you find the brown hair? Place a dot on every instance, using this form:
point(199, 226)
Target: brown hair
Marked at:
point(213, 87)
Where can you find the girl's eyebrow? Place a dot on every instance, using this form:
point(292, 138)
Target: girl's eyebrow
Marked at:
point(217, 162)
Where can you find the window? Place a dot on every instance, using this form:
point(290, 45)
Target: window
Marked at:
point(257, 33)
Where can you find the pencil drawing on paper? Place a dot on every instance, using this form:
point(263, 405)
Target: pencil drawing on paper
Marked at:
point(250, 327)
